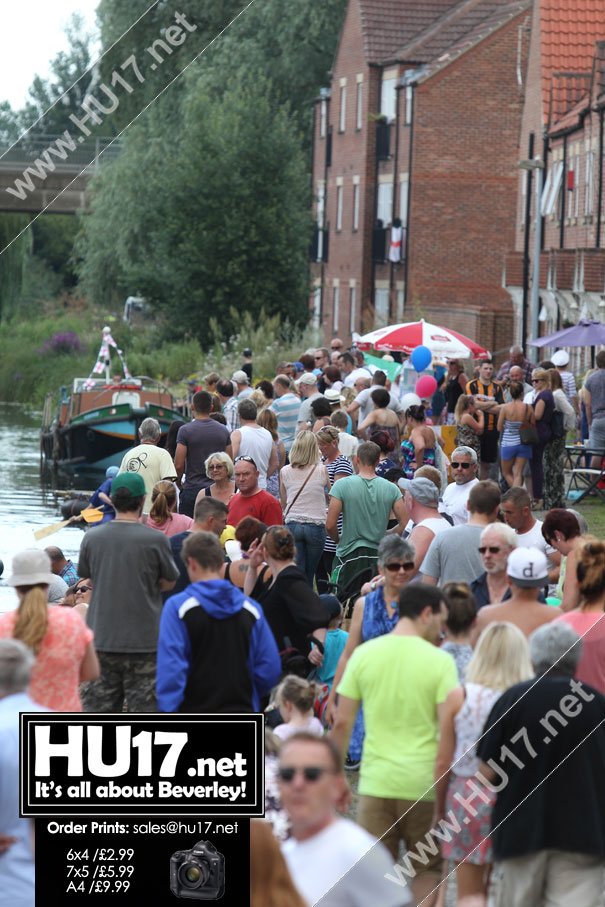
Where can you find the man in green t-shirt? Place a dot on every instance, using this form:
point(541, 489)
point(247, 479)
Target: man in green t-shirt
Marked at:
point(402, 679)
point(365, 501)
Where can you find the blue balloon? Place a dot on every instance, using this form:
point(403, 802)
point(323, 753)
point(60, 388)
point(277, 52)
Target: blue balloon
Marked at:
point(421, 358)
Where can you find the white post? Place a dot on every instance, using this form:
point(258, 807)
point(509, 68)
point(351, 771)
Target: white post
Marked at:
point(534, 304)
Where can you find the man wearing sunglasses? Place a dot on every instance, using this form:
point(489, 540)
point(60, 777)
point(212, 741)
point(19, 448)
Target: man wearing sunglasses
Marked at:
point(497, 542)
point(332, 860)
point(455, 497)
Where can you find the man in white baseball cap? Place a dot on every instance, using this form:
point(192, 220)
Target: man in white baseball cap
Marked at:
point(307, 387)
point(527, 571)
point(240, 379)
point(561, 360)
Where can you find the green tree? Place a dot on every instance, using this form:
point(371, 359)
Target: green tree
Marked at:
point(212, 217)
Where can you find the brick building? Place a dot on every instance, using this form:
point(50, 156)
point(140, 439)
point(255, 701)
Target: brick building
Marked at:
point(563, 119)
point(415, 166)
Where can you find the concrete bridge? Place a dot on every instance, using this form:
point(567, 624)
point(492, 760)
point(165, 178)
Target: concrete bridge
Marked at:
point(51, 172)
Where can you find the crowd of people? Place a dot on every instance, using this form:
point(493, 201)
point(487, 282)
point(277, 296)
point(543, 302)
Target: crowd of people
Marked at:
point(304, 547)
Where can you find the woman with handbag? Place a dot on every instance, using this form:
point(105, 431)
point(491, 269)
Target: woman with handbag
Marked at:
point(544, 407)
point(303, 487)
point(518, 433)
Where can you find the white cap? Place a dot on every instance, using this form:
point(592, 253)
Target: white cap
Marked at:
point(527, 567)
point(560, 358)
point(307, 378)
point(240, 377)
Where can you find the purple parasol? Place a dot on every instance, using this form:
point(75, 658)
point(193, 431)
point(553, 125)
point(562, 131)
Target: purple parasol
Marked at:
point(584, 333)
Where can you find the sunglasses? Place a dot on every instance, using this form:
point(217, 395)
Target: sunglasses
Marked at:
point(309, 772)
point(221, 465)
point(395, 566)
point(81, 589)
point(317, 358)
point(536, 380)
point(493, 549)
point(461, 465)
point(245, 459)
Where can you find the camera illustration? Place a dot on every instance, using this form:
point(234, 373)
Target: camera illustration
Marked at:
point(198, 873)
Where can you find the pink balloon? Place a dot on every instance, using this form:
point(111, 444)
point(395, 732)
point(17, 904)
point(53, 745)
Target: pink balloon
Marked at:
point(426, 386)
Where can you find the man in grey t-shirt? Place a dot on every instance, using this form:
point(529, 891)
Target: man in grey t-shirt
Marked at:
point(594, 401)
point(454, 555)
point(129, 566)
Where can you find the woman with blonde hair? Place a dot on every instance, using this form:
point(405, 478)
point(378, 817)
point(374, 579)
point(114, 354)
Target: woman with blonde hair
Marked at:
point(219, 467)
point(163, 515)
point(59, 638)
point(470, 424)
point(501, 659)
point(544, 407)
point(267, 419)
point(303, 485)
point(271, 884)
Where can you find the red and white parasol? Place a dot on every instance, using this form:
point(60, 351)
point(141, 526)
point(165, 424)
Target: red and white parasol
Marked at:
point(442, 342)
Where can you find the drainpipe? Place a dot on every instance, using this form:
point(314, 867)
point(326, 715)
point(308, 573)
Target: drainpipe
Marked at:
point(600, 196)
point(412, 86)
point(528, 193)
point(325, 96)
point(563, 196)
point(397, 125)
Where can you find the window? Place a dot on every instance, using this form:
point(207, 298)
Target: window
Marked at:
point(352, 305)
point(355, 204)
point(404, 188)
point(323, 119)
point(317, 307)
point(335, 307)
point(576, 186)
point(388, 95)
point(339, 207)
point(551, 190)
point(342, 105)
point(321, 202)
point(409, 103)
point(400, 304)
point(359, 105)
point(381, 306)
point(589, 184)
point(385, 203)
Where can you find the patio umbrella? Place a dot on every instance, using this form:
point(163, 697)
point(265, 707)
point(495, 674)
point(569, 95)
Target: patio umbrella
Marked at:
point(439, 340)
point(585, 333)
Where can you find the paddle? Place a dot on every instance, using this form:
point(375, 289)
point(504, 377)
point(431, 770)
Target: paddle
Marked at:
point(91, 515)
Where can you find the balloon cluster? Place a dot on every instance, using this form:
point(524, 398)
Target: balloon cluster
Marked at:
point(421, 358)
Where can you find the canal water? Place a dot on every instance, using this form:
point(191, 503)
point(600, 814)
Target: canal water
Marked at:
point(26, 502)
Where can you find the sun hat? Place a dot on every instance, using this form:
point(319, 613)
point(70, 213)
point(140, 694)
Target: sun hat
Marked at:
point(560, 358)
point(422, 490)
point(334, 396)
point(240, 377)
point(527, 567)
point(30, 567)
point(130, 480)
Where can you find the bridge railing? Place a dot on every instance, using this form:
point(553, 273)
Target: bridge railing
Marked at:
point(87, 153)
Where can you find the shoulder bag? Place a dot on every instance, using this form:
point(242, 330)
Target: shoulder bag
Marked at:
point(298, 493)
point(528, 432)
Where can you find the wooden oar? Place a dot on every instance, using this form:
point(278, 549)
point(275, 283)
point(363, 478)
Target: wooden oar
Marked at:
point(91, 515)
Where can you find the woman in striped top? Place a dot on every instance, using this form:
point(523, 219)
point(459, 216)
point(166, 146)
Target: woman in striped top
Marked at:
point(337, 467)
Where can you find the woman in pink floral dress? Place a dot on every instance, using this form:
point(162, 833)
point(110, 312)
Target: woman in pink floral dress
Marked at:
point(59, 638)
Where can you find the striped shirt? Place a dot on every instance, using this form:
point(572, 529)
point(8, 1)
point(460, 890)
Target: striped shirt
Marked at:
point(286, 408)
point(569, 385)
point(231, 414)
point(340, 466)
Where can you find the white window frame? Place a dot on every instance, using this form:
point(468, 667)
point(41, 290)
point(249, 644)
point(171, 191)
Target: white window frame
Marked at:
point(356, 203)
point(404, 189)
point(339, 207)
point(388, 98)
point(352, 307)
point(576, 185)
point(550, 193)
point(384, 204)
point(342, 106)
point(323, 118)
point(381, 306)
point(589, 184)
point(317, 307)
point(359, 105)
point(335, 306)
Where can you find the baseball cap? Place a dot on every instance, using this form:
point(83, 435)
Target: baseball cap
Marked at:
point(560, 358)
point(307, 378)
point(247, 351)
point(422, 490)
point(130, 480)
point(240, 377)
point(527, 567)
point(111, 472)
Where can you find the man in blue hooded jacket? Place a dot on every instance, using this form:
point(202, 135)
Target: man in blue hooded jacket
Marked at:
point(216, 652)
